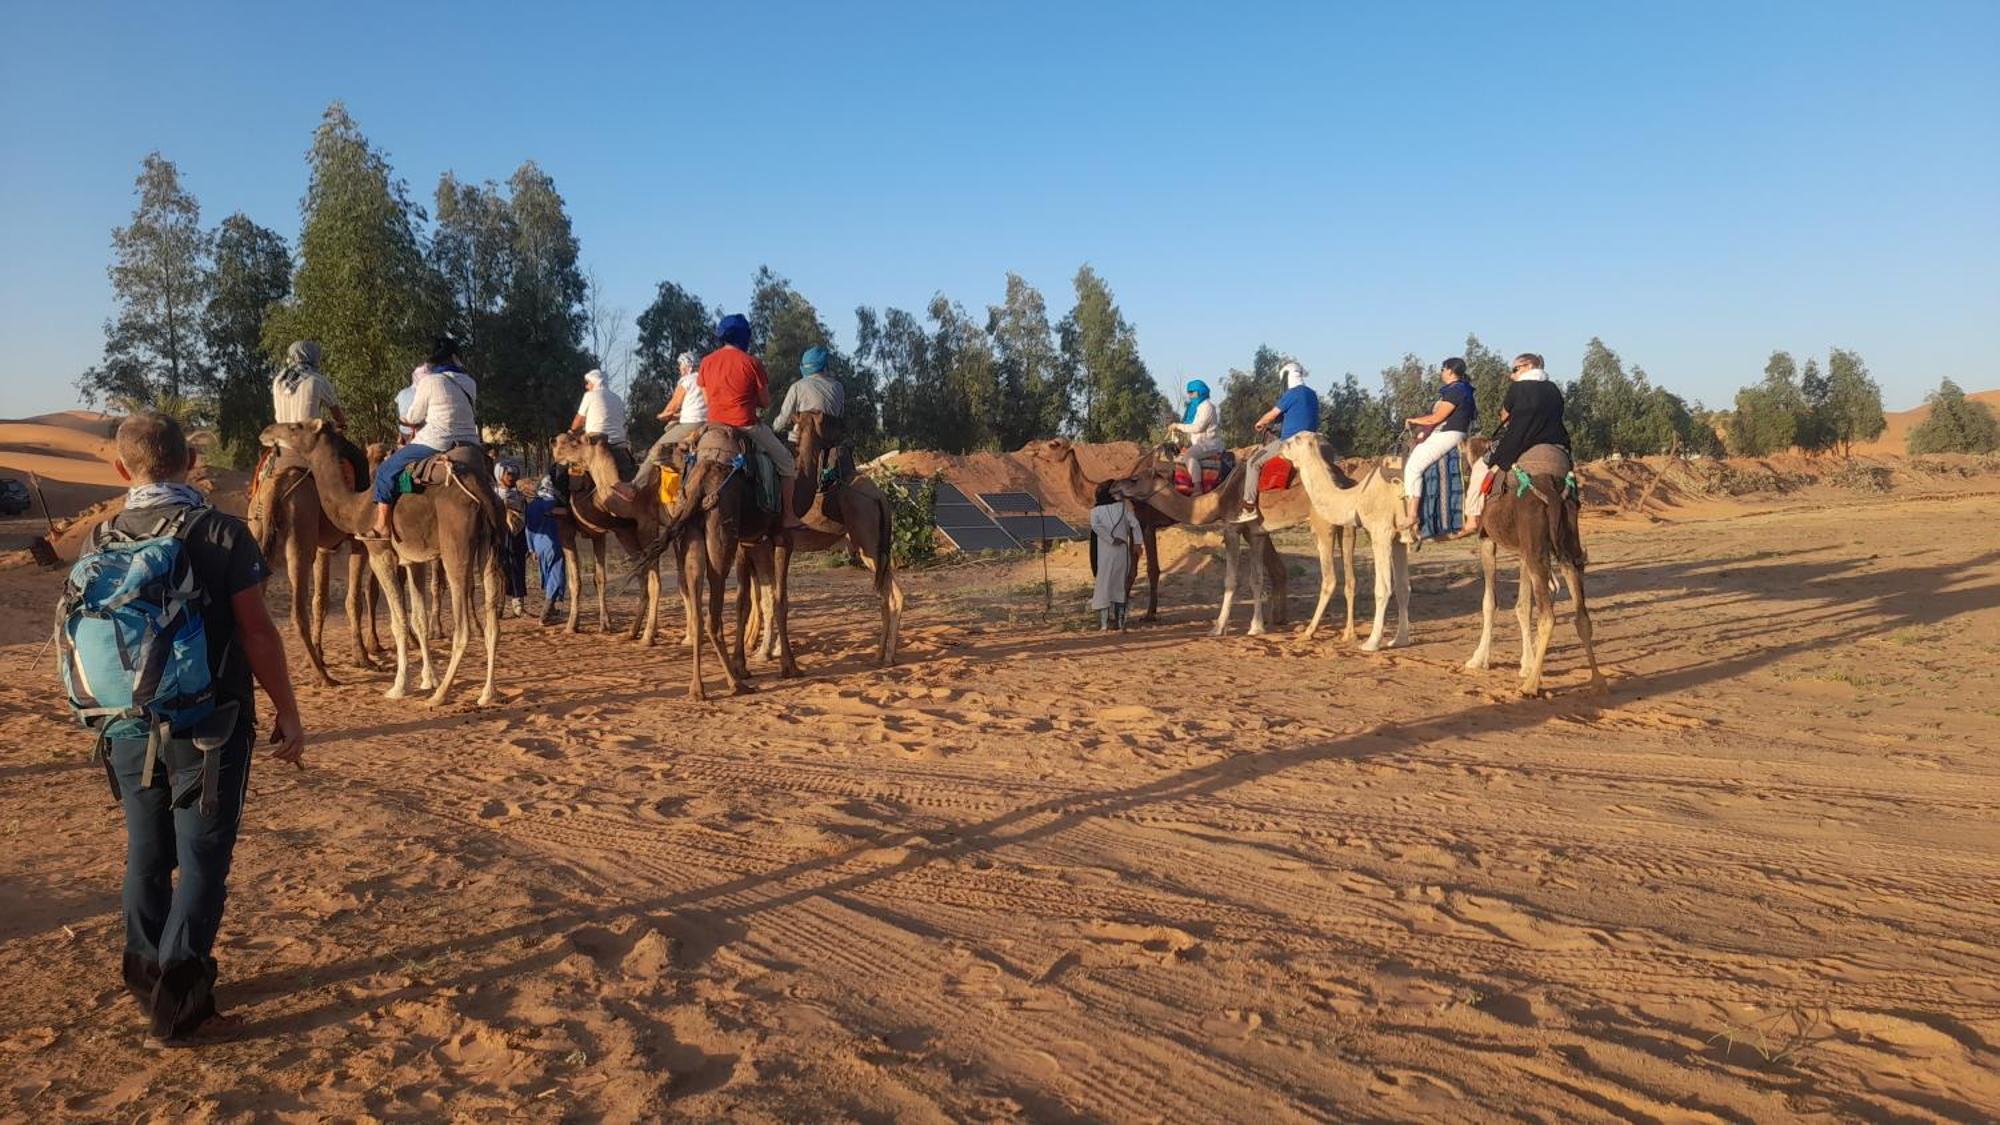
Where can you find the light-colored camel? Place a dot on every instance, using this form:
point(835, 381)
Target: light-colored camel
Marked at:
point(1375, 504)
point(1148, 479)
point(1541, 528)
point(458, 523)
point(598, 514)
point(286, 520)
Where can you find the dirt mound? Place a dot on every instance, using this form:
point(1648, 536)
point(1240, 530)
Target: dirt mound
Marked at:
point(1022, 471)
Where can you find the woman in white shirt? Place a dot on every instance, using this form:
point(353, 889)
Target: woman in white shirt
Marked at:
point(686, 411)
point(1203, 428)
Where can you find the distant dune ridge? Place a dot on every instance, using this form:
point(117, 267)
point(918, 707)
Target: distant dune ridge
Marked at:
point(1903, 421)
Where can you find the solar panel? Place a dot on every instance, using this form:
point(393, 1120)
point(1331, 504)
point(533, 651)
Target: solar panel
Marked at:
point(980, 539)
point(961, 515)
point(1031, 528)
point(1010, 501)
point(947, 493)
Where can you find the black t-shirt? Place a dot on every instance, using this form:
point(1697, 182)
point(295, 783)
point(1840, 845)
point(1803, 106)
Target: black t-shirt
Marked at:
point(226, 562)
point(1534, 417)
point(1464, 411)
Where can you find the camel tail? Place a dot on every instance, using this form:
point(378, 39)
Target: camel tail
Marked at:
point(1565, 536)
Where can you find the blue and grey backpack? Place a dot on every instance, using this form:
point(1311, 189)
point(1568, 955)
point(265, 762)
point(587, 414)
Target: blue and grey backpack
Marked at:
point(130, 639)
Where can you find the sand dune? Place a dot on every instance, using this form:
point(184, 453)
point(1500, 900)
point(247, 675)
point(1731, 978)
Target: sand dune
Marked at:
point(1037, 872)
point(1895, 438)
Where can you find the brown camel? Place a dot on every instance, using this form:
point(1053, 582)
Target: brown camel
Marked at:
point(1151, 479)
point(715, 519)
point(854, 515)
point(1540, 527)
point(459, 523)
point(286, 521)
point(597, 514)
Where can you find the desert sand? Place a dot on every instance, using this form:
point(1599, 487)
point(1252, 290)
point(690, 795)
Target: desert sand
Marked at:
point(1039, 872)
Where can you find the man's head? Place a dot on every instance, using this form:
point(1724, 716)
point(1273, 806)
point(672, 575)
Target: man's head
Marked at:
point(1524, 363)
point(302, 353)
point(1454, 370)
point(1294, 373)
point(814, 361)
point(152, 449)
point(593, 379)
point(734, 330)
point(444, 350)
point(689, 364)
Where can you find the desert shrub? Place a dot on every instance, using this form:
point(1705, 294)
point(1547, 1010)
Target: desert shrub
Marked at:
point(913, 516)
point(1860, 478)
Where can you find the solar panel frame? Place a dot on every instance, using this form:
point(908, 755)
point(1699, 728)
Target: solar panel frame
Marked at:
point(1038, 528)
point(990, 538)
point(961, 515)
point(1011, 502)
point(948, 493)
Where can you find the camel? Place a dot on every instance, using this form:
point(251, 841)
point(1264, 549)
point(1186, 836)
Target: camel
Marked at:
point(1540, 527)
point(1168, 512)
point(1375, 504)
point(597, 514)
point(286, 520)
point(717, 517)
point(456, 523)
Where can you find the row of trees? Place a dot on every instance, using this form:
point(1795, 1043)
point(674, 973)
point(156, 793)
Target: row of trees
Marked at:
point(202, 315)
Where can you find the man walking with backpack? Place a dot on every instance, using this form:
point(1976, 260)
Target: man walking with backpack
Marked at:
point(163, 628)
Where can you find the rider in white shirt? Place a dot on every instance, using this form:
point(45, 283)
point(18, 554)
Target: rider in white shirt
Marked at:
point(602, 412)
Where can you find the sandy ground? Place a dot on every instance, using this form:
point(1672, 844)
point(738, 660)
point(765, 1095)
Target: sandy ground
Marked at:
point(1039, 872)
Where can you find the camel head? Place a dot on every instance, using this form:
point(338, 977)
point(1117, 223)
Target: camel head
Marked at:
point(295, 437)
point(1052, 449)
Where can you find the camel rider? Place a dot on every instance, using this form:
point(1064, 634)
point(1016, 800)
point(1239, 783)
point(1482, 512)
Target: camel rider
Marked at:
point(299, 393)
point(737, 389)
point(686, 412)
point(1298, 408)
point(441, 412)
point(817, 391)
point(1448, 421)
point(602, 412)
point(407, 434)
point(1201, 425)
point(1531, 415)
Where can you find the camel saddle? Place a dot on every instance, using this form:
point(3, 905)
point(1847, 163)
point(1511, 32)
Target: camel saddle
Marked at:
point(1215, 468)
point(467, 462)
point(728, 445)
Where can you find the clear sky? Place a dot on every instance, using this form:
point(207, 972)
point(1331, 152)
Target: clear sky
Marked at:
point(1695, 183)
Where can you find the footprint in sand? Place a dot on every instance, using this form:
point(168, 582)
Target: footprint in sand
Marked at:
point(1165, 944)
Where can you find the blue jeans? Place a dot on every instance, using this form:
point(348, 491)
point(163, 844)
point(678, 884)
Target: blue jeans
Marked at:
point(385, 477)
point(170, 924)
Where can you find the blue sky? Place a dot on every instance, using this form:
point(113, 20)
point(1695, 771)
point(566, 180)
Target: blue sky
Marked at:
point(1695, 183)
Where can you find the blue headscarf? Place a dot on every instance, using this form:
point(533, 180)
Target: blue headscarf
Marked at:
point(1199, 390)
point(814, 361)
point(734, 330)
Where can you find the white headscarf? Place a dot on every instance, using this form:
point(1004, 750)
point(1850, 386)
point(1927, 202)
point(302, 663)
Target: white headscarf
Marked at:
point(1295, 374)
point(690, 360)
point(593, 378)
point(1534, 375)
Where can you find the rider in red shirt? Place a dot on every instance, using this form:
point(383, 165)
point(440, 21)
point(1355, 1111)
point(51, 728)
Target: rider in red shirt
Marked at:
point(737, 389)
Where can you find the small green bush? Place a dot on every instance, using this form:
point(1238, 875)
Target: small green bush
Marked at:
point(913, 516)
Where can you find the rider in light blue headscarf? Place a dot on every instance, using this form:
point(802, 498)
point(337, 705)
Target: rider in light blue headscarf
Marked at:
point(1202, 426)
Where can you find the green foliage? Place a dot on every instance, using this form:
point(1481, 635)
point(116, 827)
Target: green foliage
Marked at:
point(1354, 421)
point(1249, 395)
point(675, 322)
point(363, 288)
point(252, 274)
point(1814, 411)
point(784, 325)
point(1409, 389)
point(1957, 424)
point(1100, 351)
point(532, 360)
point(1489, 373)
point(161, 279)
point(912, 515)
point(1853, 406)
point(1034, 384)
point(934, 383)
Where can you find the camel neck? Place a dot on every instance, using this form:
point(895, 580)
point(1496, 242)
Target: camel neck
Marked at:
point(351, 512)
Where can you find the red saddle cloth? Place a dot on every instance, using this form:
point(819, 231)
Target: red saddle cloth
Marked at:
point(1214, 468)
point(1277, 475)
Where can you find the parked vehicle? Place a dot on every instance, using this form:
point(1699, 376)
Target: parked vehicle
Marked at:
point(14, 498)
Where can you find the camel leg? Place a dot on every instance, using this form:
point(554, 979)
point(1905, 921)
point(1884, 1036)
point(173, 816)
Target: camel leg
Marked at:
point(1230, 541)
point(1573, 575)
point(1524, 612)
point(718, 568)
point(1384, 580)
point(298, 572)
point(781, 566)
point(651, 633)
point(1323, 537)
point(687, 582)
point(1152, 535)
point(1260, 582)
point(597, 547)
point(1489, 562)
point(357, 594)
point(573, 566)
point(1277, 581)
point(384, 568)
point(496, 588)
point(767, 599)
point(322, 583)
point(1399, 573)
point(433, 607)
point(691, 565)
point(1545, 626)
point(458, 581)
point(746, 605)
point(1351, 578)
point(422, 614)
